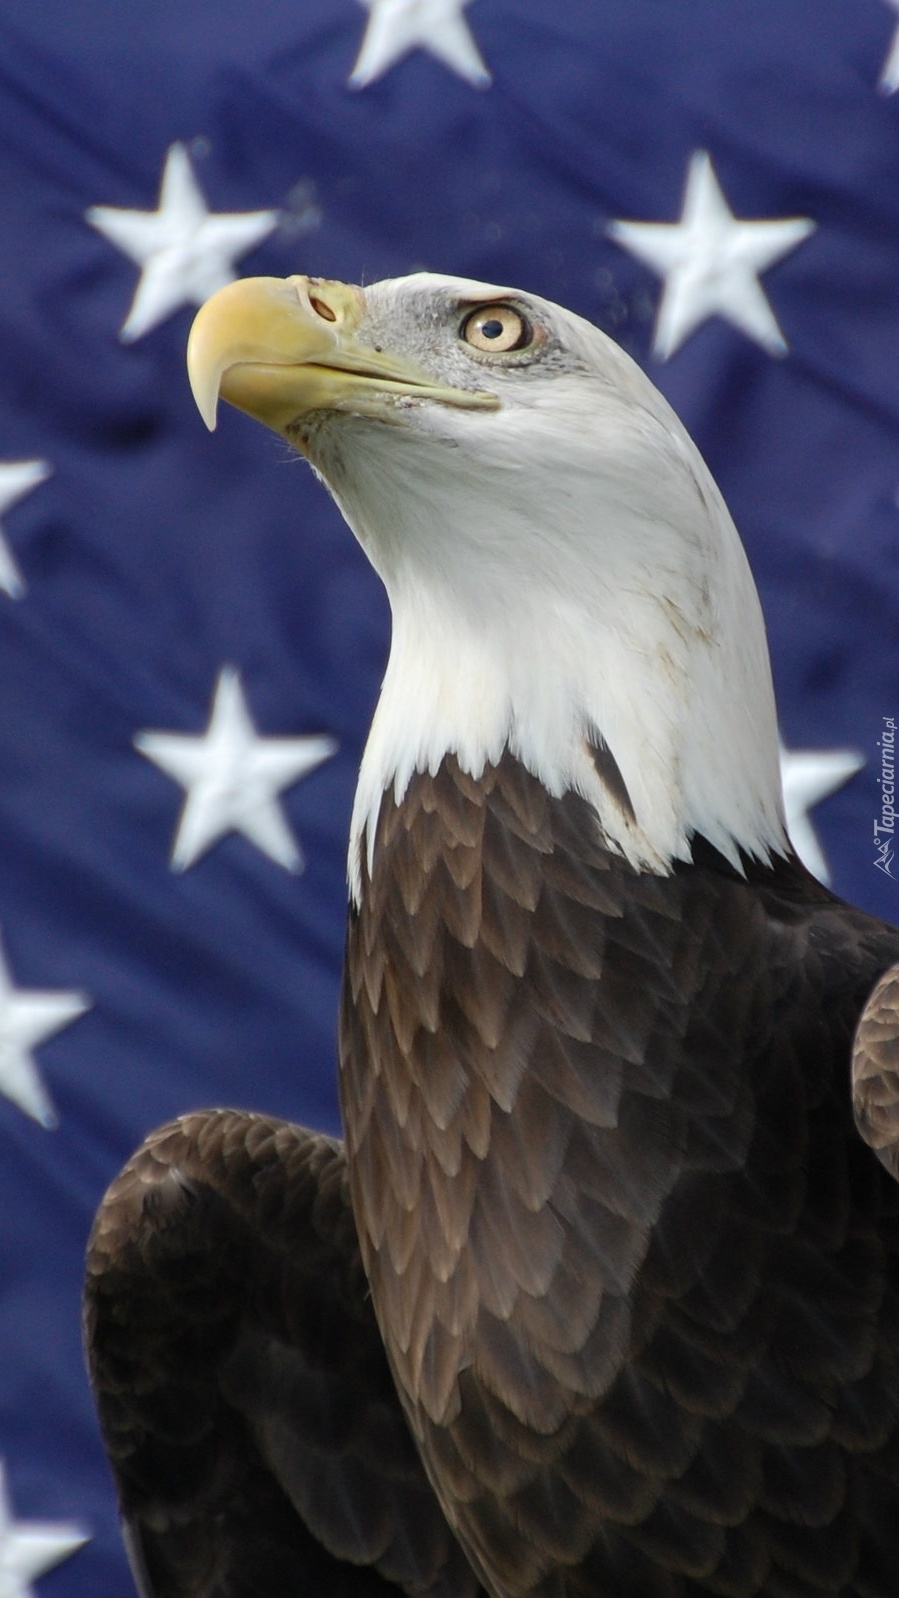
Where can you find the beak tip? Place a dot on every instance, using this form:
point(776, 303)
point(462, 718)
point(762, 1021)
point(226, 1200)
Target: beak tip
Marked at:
point(206, 400)
point(205, 364)
point(204, 386)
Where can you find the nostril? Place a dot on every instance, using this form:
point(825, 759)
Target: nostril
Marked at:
point(323, 309)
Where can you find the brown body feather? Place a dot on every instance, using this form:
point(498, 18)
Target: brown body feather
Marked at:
point(248, 1412)
point(636, 1273)
point(875, 1071)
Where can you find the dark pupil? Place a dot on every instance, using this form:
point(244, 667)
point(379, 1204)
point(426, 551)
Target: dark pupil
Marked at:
point(492, 329)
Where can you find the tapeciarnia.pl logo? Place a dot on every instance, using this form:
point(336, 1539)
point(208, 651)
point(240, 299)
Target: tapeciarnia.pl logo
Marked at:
point(884, 829)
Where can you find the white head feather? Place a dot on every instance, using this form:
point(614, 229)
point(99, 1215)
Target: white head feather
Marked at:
point(561, 571)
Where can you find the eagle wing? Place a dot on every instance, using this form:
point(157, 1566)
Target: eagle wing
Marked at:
point(875, 1071)
point(247, 1406)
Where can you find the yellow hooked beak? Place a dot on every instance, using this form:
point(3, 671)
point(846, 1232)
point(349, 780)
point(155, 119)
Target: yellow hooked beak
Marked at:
point(281, 347)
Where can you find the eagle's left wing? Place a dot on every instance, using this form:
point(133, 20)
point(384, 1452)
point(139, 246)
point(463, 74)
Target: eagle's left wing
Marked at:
point(252, 1424)
point(875, 1071)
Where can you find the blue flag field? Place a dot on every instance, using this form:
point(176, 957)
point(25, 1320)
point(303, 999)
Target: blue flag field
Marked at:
point(190, 642)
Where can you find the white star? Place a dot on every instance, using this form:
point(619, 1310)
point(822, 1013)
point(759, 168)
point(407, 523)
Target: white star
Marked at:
point(185, 251)
point(808, 776)
point(28, 1548)
point(17, 478)
point(397, 26)
point(889, 77)
point(27, 1017)
point(711, 263)
point(232, 778)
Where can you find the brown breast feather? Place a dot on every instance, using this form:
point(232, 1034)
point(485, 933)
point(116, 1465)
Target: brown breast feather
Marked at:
point(634, 1270)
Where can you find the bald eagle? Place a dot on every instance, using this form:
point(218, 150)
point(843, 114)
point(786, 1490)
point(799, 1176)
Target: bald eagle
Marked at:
point(599, 1297)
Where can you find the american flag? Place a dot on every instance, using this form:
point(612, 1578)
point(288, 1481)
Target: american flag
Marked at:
point(191, 644)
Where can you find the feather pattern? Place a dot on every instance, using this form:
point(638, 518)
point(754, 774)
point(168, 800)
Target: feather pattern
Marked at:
point(248, 1411)
point(651, 1299)
point(875, 1071)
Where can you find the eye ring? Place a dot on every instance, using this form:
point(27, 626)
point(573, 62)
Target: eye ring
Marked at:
point(496, 329)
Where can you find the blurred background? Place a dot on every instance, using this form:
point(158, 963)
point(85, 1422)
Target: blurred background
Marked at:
point(716, 185)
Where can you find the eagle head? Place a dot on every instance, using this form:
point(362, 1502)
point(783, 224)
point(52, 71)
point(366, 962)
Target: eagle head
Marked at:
point(564, 578)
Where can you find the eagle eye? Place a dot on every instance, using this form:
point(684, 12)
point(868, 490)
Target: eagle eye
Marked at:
point(496, 329)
